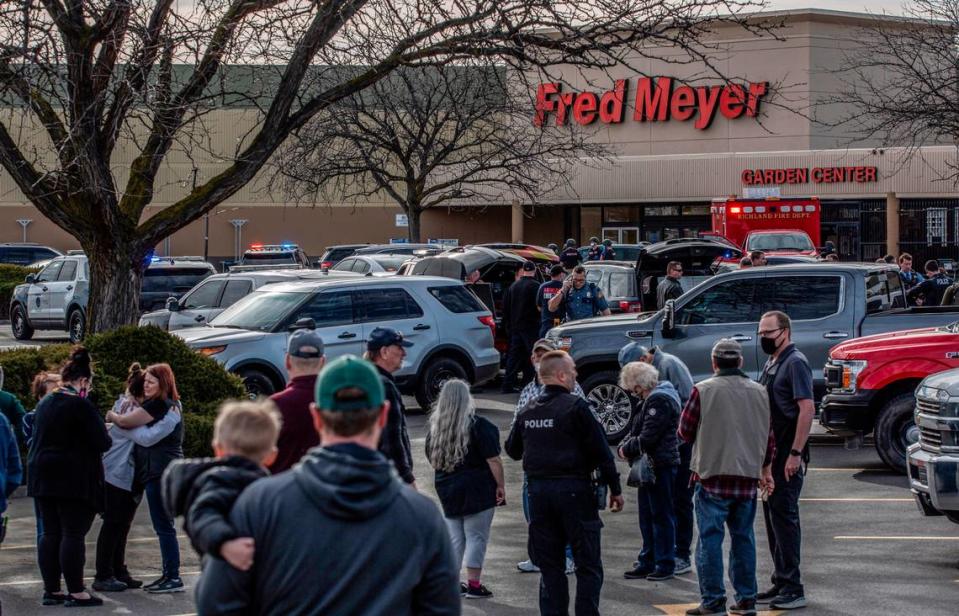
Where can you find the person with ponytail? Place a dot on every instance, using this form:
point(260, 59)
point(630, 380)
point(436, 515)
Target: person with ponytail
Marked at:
point(149, 462)
point(66, 479)
point(121, 503)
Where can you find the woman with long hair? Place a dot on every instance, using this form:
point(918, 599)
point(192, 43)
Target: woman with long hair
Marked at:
point(121, 502)
point(464, 450)
point(160, 395)
point(66, 479)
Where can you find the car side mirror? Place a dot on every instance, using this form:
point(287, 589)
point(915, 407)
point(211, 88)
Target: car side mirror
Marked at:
point(669, 319)
point(173, 304)
point(304, 323)
point(30, 279)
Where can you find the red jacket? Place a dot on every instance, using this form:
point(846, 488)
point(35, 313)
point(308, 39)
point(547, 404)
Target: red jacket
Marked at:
point(298, 435)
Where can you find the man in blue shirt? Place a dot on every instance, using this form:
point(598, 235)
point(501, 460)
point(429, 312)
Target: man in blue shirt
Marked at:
point(546, 292)
point(581, 299)
point(596, 250)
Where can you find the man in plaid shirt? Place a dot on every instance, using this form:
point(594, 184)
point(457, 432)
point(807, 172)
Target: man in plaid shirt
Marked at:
point(727, 420)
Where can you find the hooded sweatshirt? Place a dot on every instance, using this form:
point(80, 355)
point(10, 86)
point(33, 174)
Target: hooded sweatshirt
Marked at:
point(654, 427)
point(338, 534)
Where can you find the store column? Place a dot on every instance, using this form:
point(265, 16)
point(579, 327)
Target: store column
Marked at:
point(516, 223)
point(892, 224)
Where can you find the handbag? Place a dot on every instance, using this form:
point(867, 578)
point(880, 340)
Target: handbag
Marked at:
point(641, 473)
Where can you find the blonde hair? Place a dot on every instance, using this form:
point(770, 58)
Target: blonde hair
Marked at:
point(638, 375)
point(450, 423)
point(246, 428)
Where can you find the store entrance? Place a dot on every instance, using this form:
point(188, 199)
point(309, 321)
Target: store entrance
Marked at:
point(845, 237)
point(621, 235)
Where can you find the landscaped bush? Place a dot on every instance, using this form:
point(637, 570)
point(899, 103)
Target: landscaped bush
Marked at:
point(10, 276)
point(21, 365)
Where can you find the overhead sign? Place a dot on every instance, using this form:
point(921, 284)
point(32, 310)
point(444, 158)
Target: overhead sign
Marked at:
point(402, 220)
point(817, 175)
point(655, 100)
point(761, 192)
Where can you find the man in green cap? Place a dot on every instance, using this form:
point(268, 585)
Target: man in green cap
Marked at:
point(339, 533)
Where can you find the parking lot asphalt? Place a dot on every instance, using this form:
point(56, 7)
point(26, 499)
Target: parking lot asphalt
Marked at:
point(866, 549)
point(40, 338)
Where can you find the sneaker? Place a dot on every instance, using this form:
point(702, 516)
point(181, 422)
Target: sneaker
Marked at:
point(478, 592)
point(638, 573)
point(53, 598)
point(127, 579)
point(155, 583)
point(570, 566)
point(463, 589)
point(527, 566)
point(683, 566)
point(91, 601)
point(719, 607)
point(166, 586)
point(660, 576)
point(788, 602)
point(746, 607)
point(110, 584)
point(767, 595)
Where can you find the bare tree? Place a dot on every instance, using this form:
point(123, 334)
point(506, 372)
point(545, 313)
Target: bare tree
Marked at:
point(900, 79)
point(89, 79)
point(433, 136)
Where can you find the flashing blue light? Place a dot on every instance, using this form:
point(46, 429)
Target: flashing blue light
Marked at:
point(288, 246)
point(155, 259)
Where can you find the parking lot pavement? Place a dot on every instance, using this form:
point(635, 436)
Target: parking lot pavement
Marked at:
point(7, 341)
point(866, 549)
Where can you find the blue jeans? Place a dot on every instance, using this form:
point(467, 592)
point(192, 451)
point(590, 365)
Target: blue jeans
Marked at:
point(657, 522)
point(712, 514)
point(569, 548)
point(164, 528)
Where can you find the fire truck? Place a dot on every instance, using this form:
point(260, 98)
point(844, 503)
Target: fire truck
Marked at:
point(777, 226)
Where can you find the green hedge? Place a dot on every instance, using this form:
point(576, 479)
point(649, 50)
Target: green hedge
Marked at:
point(203, 384)
point(10, 276)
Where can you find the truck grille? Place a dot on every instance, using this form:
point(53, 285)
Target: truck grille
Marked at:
point(930, 439)
point(927, 407)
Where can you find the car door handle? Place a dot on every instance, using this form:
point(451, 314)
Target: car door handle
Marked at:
point(199, 318)
point(835, 335)
point(420, 327)
point(346, 335)
point(741, 338)
point(43, 288)
point(69, 287)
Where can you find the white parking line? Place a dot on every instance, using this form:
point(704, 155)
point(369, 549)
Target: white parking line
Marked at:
point(33, 546)
point(856, 500)
point(40, 582)
point(888, 538)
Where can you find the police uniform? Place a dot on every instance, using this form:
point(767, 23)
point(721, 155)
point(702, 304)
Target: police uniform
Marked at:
point(561, 443)
point(585, 302)
point(570, 257)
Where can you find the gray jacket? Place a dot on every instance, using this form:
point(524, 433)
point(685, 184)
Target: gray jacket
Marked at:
point(673, 370)
point(118, 468)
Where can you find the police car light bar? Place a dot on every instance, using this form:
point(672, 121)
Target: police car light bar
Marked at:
point(272, 247)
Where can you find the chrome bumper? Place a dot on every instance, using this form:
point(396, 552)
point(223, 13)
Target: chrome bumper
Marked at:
point(934, 479)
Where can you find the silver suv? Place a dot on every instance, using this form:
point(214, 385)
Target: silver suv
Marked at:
point(451, 331)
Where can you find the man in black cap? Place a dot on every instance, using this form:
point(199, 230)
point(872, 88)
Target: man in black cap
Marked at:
point(304, 360)
point(570, 256)
point(546, 292)
point(521, 319)
point(386, 348)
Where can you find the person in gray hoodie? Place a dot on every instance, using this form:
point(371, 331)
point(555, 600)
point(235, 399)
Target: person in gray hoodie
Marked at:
point(339, 533)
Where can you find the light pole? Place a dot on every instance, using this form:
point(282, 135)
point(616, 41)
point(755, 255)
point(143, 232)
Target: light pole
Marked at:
point(238, 236)
point(24, 222)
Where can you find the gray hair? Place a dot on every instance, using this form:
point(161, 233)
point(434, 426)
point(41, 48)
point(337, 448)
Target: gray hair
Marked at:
point(638, 375)
point(449, 426)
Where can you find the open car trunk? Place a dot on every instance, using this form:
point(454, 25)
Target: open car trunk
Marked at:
point(697, 256)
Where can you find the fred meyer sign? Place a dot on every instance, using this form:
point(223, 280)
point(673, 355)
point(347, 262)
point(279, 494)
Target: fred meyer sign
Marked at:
point(660, 99)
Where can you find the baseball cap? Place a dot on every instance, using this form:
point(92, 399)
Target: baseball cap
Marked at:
point(545, 345)
point(727, 348)
point(556, 270)
point(528, 266)
point(633, 351)
point(305, 343)
point(384, 337)
point(352, 373)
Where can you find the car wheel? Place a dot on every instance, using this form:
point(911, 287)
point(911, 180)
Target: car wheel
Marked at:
point(610, 403)
point(19, 324)
point(896, 430)
point(952, 516)
point(257, 383)
point(76, 326)
point(431, 380)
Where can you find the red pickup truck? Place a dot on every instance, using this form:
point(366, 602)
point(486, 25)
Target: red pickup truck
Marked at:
point(871, 383)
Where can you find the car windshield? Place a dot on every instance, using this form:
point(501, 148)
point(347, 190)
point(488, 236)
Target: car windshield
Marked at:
point(780, 241)
point(391, 263)
point(175, 281)
point(259, 311)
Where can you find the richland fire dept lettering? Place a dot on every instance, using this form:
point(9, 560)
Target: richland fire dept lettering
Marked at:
point(655, 100)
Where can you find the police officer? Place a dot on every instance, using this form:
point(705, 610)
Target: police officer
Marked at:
point(546, 292)
point(582, 299)
point(596, 250)
point(561, 443)
point(521, 318)
point(570, 256)
point(932, 288)
point(609, 253)
point(553, 248)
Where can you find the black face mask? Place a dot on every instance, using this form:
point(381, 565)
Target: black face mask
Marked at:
point(769, 345)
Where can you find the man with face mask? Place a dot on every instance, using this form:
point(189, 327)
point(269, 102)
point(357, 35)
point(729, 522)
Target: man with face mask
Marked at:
point(788, 381)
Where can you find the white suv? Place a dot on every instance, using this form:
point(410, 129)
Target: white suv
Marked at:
point(451, 331)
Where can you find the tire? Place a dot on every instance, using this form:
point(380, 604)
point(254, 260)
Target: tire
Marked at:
point(19, 323)
point(256, 382)
point(76, 326)
point(611, 404)
point(431, 379)
point(895, 430)
point(952, 516)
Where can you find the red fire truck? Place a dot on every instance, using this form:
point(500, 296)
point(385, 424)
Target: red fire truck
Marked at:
point(783, 226)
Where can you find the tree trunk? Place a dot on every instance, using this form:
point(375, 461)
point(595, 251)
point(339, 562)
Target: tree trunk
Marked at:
point(413, 216)
point(116, 276)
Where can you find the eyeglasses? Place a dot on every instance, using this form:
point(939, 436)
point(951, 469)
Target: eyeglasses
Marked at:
point(766, 333)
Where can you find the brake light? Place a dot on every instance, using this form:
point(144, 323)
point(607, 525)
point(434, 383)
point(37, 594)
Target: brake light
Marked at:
point(489, 322)
point(326, 265)
point(256, 246)
point(625, 306)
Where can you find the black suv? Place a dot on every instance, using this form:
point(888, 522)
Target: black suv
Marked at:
point(171, 277)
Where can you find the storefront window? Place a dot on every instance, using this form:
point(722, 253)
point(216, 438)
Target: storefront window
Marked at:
point(936, 226)
point(619, 214)
point(590, 222)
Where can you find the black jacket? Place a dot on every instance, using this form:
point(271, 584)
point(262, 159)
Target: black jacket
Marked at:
point(653, 431)
point(519, 306)
point(66, 453)
point(932, 289)
point(337, 534)
point(203, 491)
point(150, 462)
point(667, 289)
point(557, 436)
point(395, 440)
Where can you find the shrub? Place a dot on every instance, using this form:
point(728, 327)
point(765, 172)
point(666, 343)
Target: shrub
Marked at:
point(20, 366)
point(10, 277)
point(197, 435)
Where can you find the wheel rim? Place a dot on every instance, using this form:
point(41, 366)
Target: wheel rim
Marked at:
point(439, 379)
point(611, 406)
point(909, 434)
point(76, 327)
point(17, 322)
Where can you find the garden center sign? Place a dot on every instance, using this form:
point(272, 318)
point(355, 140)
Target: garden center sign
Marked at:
point(660, 99)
